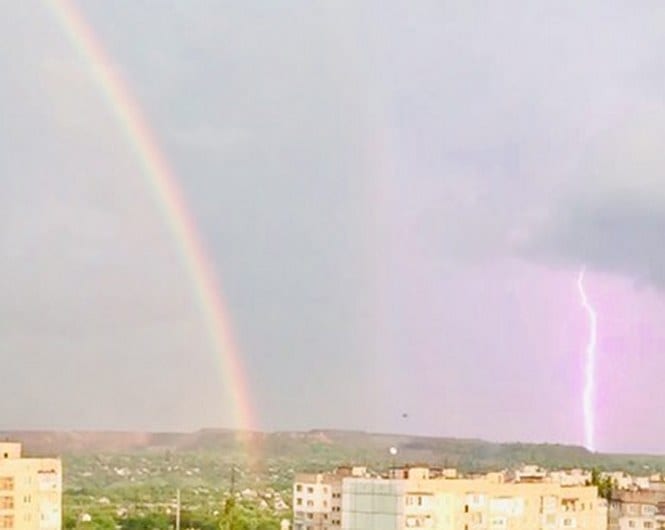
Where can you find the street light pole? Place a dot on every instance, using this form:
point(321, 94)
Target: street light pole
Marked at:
point(177, 510)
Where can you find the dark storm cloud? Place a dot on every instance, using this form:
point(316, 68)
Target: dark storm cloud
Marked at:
point(622, 235)
point(612, 216)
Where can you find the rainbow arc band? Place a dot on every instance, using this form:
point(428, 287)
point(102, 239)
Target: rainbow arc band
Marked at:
point(162, 181)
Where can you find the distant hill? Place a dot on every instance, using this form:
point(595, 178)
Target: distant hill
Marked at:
point(330, 447)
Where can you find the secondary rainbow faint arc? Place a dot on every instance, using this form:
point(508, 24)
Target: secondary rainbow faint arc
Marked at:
point(170, 197)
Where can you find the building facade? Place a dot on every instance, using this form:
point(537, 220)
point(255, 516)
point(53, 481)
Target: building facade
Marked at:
point(317, 498)
point(413, 498)
point(637, 510)
point(30, 491)
point(371, 503)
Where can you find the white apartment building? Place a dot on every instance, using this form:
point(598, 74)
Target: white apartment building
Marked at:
point(572, 477)
point(317, 498)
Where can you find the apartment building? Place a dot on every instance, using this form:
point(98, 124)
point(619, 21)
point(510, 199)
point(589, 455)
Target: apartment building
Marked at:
point(572, 477)
point(623, 481)
point(637, 510)
point(414, 498)
point(30, 491)
point(317, 498)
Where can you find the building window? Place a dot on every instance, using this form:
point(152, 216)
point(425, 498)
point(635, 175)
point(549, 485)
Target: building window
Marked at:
point(648, 524)
point(310, 503)
point(631, 524)
point(6, 503)
point(298, 501)
point(298, 487)
point(7, 521)
point(310, 490)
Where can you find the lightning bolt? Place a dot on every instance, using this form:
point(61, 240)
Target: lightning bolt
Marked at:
point(589, 366)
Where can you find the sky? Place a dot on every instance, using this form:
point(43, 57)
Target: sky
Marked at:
point(397, 198)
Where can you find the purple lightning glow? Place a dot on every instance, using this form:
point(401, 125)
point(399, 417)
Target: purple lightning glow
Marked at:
point(590, 365)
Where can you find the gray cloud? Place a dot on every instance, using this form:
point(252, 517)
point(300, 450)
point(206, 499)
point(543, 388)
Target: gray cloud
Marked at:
point(612, 217)
point(361, 174)
point(620, 235)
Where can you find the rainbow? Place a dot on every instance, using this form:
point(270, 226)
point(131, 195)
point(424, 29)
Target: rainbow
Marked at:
point(162, 180)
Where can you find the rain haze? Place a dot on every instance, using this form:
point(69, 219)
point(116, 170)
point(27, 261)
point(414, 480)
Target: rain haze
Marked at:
point(396, 198)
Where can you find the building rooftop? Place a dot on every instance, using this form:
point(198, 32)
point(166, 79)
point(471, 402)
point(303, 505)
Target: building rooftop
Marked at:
point(10, 450)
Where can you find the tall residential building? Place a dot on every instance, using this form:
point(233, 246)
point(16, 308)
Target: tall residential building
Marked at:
point(317, 498)
point(30, 491)
point(637, 510)
point(414, 498)
point(487, 503)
